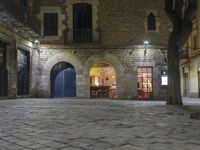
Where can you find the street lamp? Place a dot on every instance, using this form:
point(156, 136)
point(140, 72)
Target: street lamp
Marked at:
point(146, 45)
point(36, 43)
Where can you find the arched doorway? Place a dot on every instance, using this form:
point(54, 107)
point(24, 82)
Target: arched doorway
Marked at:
point(103, 81)
point(63, 80)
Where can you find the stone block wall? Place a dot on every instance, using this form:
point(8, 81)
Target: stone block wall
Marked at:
point(119, 22)
point(121, 27)
point(125, 65)
point(14, 42)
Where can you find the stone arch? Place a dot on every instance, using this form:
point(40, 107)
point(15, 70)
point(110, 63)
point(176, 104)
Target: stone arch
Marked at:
point(50, 63)
point(62, 57)
point(112, 60)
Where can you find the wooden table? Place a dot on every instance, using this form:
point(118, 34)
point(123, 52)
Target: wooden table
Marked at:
point(99, 91)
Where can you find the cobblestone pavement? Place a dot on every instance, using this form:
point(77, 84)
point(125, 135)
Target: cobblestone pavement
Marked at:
point(50, 124)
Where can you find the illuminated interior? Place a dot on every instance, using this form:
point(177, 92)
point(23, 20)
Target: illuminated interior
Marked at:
point(145, 89)
point(103, 81)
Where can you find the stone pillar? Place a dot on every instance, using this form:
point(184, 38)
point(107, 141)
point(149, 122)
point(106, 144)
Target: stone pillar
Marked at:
point(135, 86)
point(156, 83)
point(85, 85)
point(121, 87)
point(126, 86)
point(34, 72)
point(43, 86)
point(12, 69)
point(82, 86)
point(128, 89)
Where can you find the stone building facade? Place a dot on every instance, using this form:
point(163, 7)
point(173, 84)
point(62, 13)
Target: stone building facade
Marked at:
point(119, 29)
point(18, 28)
point(77, 35)
point(190, 63)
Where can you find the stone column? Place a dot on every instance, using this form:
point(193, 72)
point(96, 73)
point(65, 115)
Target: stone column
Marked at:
point(82, 86)
point(128, 85)
point(85, 91)
point(12, 69)
point(35, 72)
point(156, 83)
point(135, 86)
point(121, 87)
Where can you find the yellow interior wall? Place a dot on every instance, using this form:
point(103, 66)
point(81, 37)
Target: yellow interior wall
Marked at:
point(103, 76)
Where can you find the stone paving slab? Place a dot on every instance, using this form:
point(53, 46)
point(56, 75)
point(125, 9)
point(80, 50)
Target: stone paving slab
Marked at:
point(81, 124)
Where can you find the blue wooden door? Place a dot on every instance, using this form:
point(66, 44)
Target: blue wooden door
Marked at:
point(65, 84)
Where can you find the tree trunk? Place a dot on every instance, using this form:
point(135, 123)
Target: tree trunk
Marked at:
point(181, 14)
point(174, 94)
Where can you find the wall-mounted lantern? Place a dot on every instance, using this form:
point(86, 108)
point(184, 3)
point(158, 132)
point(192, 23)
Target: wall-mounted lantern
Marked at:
point(36, 43)
point(146, 46)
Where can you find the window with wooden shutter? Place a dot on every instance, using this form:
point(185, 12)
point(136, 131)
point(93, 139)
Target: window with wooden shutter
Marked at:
point(50, 24)
point(82, 22)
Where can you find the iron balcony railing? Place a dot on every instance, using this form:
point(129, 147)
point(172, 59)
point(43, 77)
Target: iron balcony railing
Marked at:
point(16, 10)
point(82, 35)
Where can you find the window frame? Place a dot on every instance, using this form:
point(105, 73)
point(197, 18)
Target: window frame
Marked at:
point(61, 18)
point(69, 12)
point(82, 34)
point(157, 21)
point(48, 32)
point(149, 22)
